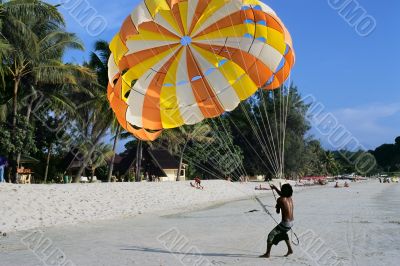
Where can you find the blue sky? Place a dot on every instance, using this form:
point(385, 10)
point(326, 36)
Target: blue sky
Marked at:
point(356, 78)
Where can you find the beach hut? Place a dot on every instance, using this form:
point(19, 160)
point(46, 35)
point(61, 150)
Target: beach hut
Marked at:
point(168, 164)
point(156, 165)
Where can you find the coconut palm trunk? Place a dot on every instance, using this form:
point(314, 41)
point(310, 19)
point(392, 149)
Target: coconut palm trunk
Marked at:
point(17, 80)
point(89, 156)
point(46, 172)
point(178, 175)
point(84, 164)
point(138, 161)
point(28, 117)
point(111, 165)
point(16, 157)
point(93, 173)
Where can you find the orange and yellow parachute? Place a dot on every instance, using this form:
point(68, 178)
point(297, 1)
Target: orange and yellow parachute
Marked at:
point(177, 62)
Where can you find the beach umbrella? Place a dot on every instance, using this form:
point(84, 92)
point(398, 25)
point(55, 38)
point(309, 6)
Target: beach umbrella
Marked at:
point(178, 62)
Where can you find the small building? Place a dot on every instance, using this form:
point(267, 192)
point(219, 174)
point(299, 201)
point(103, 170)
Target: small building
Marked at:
point(168, 164)
point(157, 164)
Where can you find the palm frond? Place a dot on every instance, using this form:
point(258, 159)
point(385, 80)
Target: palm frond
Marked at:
point(55, 43)
point(25, 9)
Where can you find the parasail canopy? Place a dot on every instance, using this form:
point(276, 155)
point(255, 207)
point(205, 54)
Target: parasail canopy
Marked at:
point(177, 62)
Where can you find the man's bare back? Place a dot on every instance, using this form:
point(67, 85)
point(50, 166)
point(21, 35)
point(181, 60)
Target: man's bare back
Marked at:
point(285, 205)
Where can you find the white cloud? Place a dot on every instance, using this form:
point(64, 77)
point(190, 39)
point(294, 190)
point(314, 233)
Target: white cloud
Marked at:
point(372, 124)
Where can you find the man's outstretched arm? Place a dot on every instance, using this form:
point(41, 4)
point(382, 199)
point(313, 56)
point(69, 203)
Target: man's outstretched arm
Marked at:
point(277, 190)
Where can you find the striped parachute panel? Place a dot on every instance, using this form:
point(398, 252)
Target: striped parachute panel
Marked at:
point(177, 62)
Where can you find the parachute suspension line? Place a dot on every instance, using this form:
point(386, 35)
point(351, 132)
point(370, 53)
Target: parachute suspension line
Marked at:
point(269, 151)
point(212, 162)
point(240, 162)
point(277, 134)
point(270, 147)
point(247, 116)
point(209, 171)
point(270, 136)
point(278, 126)
point(239, 165)
point(286, 119)
point(282, 95)
point(251, 146)
point(203, 167)
point(281, 125)
point(256, 133)
point(280, 112)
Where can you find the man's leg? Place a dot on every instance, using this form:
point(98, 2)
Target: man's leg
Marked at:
point(268, 253)
point(270, 241)
point(290, 250)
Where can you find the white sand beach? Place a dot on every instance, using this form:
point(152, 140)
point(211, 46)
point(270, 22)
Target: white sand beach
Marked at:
point(31, 206)
point(347, 226)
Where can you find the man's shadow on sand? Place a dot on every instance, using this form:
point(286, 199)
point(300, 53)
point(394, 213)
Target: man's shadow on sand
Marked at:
point(162, 251)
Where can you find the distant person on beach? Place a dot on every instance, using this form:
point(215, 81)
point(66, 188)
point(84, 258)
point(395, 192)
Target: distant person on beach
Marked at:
point(337, 185)
point(3, 164)
point(197, 182)
point(346, 184)
point(279, 233)
point(260, 187)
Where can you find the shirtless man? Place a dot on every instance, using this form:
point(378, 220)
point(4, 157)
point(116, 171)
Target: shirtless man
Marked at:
point(279, 233)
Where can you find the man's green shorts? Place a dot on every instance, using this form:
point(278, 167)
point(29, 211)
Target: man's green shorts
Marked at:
point(278, 234)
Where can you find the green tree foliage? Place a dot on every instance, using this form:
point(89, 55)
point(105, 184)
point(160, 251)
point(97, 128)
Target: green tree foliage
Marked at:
point(388, 156)
point(34, 32)
point(216, 156)
point(98, 63)
point(21, 140)
point(264, 123)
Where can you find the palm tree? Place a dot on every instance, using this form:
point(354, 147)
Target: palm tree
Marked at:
point(92, 125)
point(114, 148)
point(103, 153)
point(24, 20)
point(330, 163)
point(98, 62)
point(36, 33)
point(177, 140)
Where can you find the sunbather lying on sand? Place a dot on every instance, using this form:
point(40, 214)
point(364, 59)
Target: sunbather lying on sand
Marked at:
point(260, 187)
